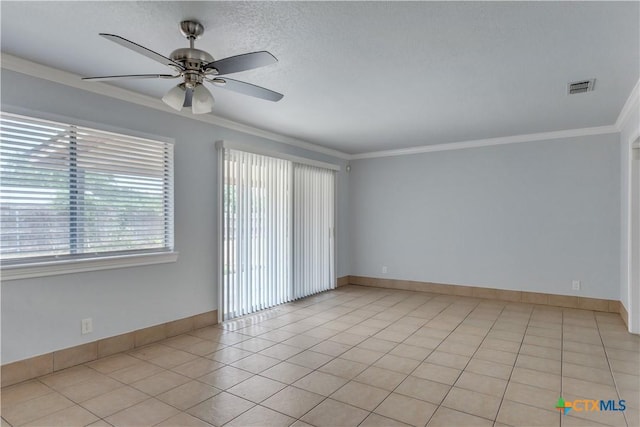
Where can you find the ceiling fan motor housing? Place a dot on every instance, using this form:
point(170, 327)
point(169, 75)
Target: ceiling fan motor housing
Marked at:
point(191, 58)
point(194, 67)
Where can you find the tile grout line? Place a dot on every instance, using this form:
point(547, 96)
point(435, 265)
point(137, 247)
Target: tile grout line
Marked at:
point(533, 385)
point(288, 385)
point(227, 346)
point(253, 374)
point(86, 364)
point(469, 361)
point(431, 352)
point(335, 357)
point(169, 369)
point(434, 349)
point(606, 355)
point(172, 388)
point(508, 380)
point(384, 354)
point(454, 301)
point(513, 367)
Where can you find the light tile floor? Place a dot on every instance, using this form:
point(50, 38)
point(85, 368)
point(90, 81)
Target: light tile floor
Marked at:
point(356, 356)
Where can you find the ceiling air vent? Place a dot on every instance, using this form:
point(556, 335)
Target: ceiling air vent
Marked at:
point(581, 86)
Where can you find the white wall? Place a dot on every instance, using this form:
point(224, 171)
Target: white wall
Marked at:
point(42, 315)
point(629, 132)
point(532, 216)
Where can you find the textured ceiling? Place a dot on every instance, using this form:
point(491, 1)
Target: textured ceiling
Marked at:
point(366, 76)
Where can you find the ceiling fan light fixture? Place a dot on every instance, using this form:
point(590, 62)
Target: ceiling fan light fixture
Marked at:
point(194, 66)
point(175, 97)
point(202, 100)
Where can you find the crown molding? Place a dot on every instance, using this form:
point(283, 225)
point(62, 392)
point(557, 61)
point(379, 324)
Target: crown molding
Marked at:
point(20, 65)
point(30, 68)
point(632, 101)
point(625, 114)
point(600, 130)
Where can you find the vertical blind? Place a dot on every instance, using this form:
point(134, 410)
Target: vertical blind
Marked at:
point(257, 232)
point(312, 230)
point(277, 231)
point(68, 191)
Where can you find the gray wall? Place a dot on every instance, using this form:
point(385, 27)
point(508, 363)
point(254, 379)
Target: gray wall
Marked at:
point(43, 314)
point(628, 290)
point(532, 216)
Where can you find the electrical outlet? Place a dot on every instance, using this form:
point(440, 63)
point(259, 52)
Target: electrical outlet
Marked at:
point(384, 269)
point(87, 326)
point(575, 285)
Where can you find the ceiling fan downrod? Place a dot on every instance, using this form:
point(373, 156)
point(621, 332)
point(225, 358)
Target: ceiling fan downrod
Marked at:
point(195, 67)
point(192, 59)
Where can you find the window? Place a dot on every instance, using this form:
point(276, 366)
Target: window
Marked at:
point(70, 192)
point(277, 229)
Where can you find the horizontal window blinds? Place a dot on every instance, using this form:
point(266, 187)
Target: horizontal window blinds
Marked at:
point(71, 191)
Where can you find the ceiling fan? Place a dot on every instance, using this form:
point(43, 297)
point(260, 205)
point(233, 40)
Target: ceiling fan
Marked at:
point(194, 67)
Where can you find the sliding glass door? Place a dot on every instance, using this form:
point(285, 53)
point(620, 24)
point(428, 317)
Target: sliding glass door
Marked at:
point(312, 230)
point(277, 231)
point(257, 232)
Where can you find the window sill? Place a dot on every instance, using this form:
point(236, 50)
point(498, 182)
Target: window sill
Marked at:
point(54, 268)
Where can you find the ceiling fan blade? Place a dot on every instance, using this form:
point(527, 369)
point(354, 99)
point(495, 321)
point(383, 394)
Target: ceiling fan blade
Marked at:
point(247, 61)
point(132, 76)
point(188, 96)
point(141, 50)
point(247, 89)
